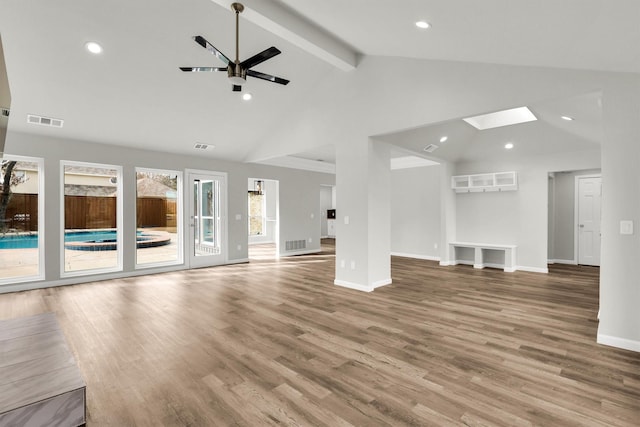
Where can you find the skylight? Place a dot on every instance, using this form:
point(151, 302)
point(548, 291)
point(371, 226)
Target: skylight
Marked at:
point(498, 119)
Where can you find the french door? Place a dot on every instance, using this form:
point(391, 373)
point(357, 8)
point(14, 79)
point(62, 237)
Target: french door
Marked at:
point(207, 218)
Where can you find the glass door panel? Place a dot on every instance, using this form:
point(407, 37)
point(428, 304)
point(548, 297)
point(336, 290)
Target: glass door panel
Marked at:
point(206, 219)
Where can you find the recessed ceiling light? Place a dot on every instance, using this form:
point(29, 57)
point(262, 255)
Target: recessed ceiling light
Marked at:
point(93, 47)
point(247, 96)
point(508, 145)
point(567, 118)
point(444, 139)
point(498, 119)
point(423, 24)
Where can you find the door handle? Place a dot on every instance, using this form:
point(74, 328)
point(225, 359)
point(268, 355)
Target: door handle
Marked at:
point(581, 225)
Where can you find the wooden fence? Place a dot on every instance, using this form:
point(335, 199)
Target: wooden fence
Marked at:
point(22, 212)
point(87, 212)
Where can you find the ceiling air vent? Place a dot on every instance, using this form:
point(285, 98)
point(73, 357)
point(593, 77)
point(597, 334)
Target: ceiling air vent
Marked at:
point(44, 121)
point(4, 112)
point(200, 146)
point(430, 148)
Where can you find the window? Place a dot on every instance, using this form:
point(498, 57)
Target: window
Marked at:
point(158, 219)
point(21, 222)
point(92, 218)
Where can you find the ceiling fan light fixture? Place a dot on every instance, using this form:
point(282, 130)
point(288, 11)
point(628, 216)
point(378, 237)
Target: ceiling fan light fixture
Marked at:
point(237, 80)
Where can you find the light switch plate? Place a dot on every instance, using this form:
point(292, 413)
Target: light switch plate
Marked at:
point(346, 220)
point(238, 217)
point(626, 227)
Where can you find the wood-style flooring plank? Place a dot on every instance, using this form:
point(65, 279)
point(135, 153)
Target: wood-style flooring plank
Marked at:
point(274, 343)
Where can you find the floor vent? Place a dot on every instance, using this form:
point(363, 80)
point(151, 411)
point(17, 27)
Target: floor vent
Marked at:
point(430, 148)
point(200, 146)
point(295, 245)
point(45, 121)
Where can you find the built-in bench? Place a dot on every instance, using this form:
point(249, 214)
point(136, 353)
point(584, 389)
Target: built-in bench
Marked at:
point(40, 384)
point(480, 250)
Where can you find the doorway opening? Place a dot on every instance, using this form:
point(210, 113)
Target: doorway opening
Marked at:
point(574, 217)
point(263, 218)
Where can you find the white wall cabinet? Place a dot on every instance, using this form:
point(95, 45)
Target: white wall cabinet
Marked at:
point(496, 181)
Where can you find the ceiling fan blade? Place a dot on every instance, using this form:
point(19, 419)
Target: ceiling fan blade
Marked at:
point(260, 57)
point(267, 77)
point(211, 48)
point(236, 88)
point(203, 69)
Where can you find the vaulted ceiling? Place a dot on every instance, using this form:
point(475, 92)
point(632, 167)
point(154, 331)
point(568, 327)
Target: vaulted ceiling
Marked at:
point(133, 94)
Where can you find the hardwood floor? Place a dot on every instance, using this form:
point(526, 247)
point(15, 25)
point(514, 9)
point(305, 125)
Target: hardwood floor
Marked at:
point(276, 343)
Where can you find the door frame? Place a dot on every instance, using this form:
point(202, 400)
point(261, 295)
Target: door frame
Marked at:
point(576, 207)
point(224, 222)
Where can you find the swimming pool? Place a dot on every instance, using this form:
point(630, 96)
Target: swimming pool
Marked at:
point(89, 240)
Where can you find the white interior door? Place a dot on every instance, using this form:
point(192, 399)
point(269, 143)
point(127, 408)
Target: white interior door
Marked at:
point(207, 219)
point(589, 200)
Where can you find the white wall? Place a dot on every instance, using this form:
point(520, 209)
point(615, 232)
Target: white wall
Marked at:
point(415, 212)
point(299, 197)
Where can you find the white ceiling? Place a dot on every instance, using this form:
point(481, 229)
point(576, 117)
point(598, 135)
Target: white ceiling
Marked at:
point(134, 95)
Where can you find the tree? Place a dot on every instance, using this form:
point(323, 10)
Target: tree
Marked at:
point(8, 181)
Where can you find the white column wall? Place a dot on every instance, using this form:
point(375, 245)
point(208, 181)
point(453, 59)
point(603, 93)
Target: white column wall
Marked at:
point(620, 270)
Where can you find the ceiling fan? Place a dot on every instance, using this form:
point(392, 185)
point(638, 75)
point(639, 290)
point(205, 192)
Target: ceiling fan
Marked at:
point(236, 70)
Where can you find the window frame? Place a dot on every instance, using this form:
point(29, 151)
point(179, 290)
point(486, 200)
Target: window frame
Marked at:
point(119, 220)
point(40, 275)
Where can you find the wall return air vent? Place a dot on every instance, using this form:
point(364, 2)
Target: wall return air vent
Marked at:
point(199, 146)
point(44, 121)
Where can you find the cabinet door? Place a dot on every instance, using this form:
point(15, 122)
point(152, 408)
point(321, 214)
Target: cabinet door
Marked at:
point(460, 182)
point(484, 180)
point(505, 178)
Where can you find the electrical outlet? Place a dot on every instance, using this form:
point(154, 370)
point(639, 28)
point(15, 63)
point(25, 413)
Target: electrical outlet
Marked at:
point(342, 263)
point(239, 247)
point(313, 215)
point(435, 246)
point(346, 220)
point(310, 240)
point(353, 265)
point(238, 217)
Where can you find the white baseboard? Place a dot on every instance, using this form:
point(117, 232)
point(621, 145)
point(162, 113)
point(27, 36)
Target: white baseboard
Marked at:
point(446, 263)
point(237, 261)
point(307, 252)
point(563, 261)
point(532, 269)
point(363, 288)
point(416, 256)
point(619, 342)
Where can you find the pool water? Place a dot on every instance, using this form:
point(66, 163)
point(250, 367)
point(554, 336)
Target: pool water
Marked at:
point(30, 241)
